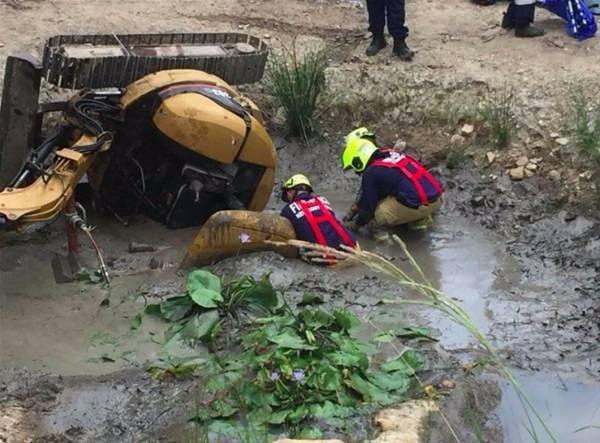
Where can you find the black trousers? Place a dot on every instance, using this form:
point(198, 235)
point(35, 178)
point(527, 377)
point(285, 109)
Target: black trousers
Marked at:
point(520, 16)
point(394, 10)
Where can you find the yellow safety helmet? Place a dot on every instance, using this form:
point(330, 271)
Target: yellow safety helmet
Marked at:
point(292, 182)
point(296, 180)
point(360, 133)
point(357, 153)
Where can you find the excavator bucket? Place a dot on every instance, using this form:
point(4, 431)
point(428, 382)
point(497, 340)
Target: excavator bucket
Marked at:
point(230, 233)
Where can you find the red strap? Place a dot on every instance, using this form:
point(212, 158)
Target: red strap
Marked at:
point(326, 216)
point(402, 164)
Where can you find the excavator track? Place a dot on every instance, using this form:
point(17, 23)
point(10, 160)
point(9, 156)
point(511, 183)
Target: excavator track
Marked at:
point(111, 60)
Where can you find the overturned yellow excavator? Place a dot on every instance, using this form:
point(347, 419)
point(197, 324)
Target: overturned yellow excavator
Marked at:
point(177, 144)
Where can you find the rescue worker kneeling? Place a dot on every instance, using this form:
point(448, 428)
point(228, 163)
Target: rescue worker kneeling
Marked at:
point(311, 215)
point(395, 188)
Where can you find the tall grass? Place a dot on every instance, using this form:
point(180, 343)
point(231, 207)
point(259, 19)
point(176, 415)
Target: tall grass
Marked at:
point(297, 82)
point(497, 113)
point(585, 114)
point(428, 296)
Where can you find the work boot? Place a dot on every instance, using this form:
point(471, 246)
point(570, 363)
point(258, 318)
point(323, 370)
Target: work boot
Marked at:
point(529, 32)
point(507, 23)
point(377, 44)
point(401, 50)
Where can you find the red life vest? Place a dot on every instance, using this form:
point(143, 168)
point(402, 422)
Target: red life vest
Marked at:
point(413, 170)
point(326, 215)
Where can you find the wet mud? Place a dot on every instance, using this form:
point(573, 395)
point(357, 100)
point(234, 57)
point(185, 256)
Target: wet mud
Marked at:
point(72, 368)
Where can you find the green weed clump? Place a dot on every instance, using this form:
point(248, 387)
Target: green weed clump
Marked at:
point(497, 114)
point(585, 111)
point(285, 367)
point(297, 83)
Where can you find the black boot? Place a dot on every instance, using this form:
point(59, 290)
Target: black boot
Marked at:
point(401, 50)
point(507, 23)
point(377, 44)
point(529, 31)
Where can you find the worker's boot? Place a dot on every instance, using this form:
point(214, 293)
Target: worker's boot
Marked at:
point(402, 50)
point(377, 44)
point(528, 32)
point(507, 23)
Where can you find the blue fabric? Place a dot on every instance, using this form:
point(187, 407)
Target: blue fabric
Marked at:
point(293, 212)
point(581, 23)
point(379, 182)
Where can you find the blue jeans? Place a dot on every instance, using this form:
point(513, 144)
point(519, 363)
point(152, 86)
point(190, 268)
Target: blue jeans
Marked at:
point(394, 10)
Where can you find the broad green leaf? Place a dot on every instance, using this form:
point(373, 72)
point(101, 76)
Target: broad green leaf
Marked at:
point(410, 332)
point(331, 410)
point(223, 408)
point(310, 433)
point(223, 429)
point(291, 340)
point(345, 319)
point(316, 318)
point(406, 363)
point(136, 322)
point(330, 379)
point(310, 298)
point(153, 309)
point(172, 332)
point(204, 288)
point(176, 308)
point(279, 417)
point(347, 359)
point(390, 382)
point(369, 391)
point(262, 293)
point(298, 414)
point(200, 325)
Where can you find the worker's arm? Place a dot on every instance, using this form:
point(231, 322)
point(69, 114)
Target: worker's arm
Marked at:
point(368, 199)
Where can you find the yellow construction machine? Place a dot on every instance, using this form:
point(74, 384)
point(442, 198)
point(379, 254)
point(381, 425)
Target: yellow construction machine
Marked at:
point(152, 129)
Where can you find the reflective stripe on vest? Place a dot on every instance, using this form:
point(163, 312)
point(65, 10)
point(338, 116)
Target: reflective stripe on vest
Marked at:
point(402, 162)
point(315, 221)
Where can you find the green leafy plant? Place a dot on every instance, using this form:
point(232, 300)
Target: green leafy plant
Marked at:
point(585, 112)
point(497, 114)
point(297, 84)
point(198, 314)
point(177, 367)
point(294, 367)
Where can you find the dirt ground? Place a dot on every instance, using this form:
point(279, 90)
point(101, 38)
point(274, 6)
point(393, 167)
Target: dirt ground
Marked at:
point(523, 257)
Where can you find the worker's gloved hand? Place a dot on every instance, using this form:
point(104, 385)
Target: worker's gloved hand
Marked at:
point(349, 216)
point(352, 225)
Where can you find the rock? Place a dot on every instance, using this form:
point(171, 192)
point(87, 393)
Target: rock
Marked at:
point(1, 45)
point(562, 141)
point(477, 201)
point(140, 247)
point(457, 139)
point(490, 157)
point(156, 263)
point(554, 175)
point(569, 217)
point(522, 161)
point(531, 167)
point(517, 173)
point(554, 135)
point(400, 145)
point(536, 160)
point(267, 36)
point(528, 173)
point(467, 130)
point(279, 118)
point(404, 423)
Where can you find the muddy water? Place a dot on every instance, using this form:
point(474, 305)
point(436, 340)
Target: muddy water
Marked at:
point(570, 408)
point(79, 328)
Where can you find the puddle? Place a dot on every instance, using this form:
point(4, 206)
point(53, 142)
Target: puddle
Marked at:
point(459, 258)
point(565, 404)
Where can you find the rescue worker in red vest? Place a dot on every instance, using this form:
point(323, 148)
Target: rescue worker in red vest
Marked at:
point(311, 215)
point(395, 188)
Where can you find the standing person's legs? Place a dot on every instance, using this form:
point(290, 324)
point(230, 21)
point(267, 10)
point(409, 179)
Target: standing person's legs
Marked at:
point(376, 9)
point(395, 10)
point(520, 15)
